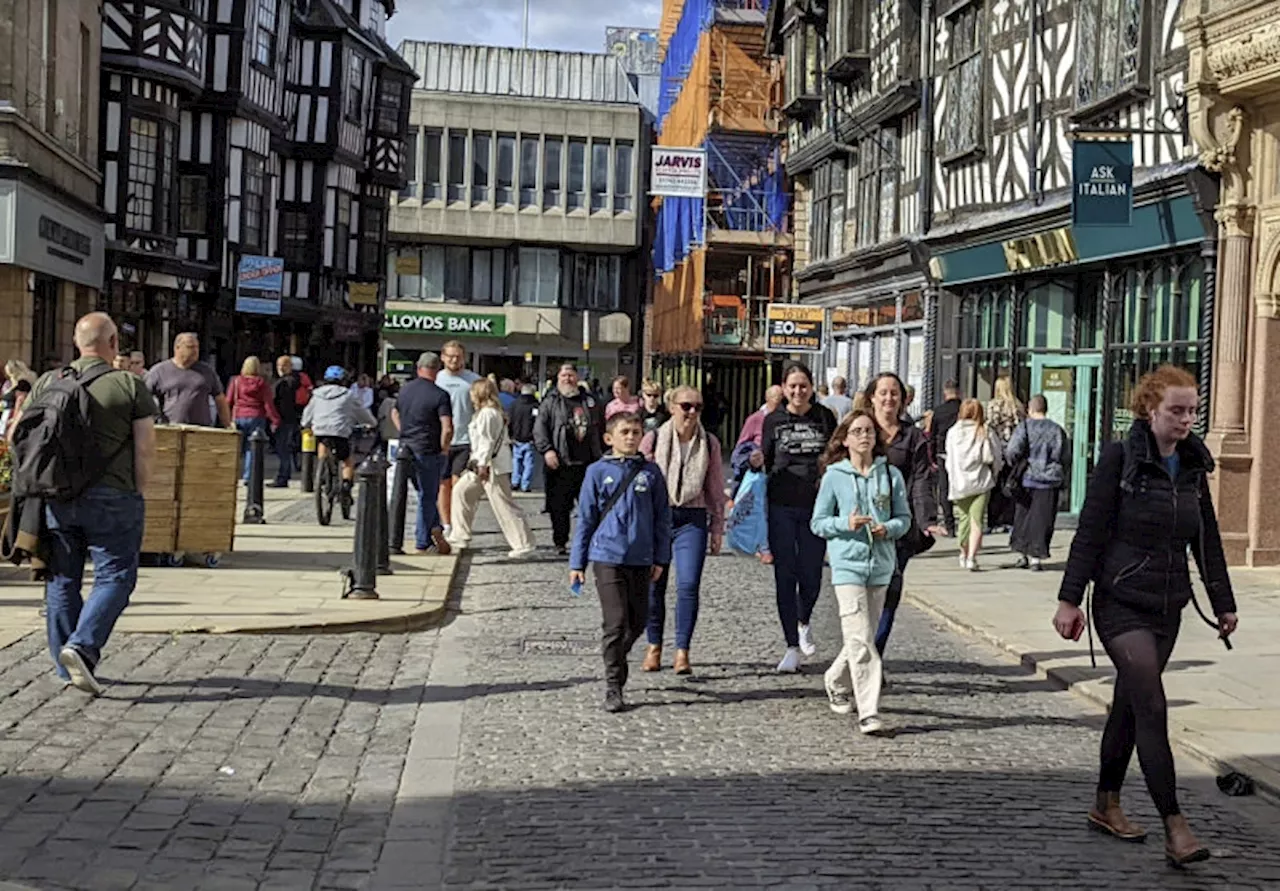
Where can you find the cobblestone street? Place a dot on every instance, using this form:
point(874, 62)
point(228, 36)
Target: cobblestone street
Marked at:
point(477, 756)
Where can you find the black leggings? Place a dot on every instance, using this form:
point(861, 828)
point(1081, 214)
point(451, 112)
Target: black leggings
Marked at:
point(1140, 716)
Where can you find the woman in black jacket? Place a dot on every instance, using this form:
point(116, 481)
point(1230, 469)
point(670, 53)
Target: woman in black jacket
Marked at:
point(1148, 501)
point(906, 448)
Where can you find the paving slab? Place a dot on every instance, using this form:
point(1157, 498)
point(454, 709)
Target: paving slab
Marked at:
point(1224, 706)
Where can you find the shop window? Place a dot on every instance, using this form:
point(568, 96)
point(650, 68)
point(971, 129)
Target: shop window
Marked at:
point(539, 280)
point(1049, 317)
point(264, 43)
point(432, 151)
point(252, 234)
point(480, 162)
point(193, 203)
point(552, 160)
point(599, 176)
point(623, 154)
point(962, 125)
point(457, 166)
point(1109, 50)
point(506, 174)
point(528, 171)
point(577, 173)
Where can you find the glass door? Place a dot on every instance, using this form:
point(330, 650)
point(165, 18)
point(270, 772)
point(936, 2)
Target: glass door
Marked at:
point(1068, 384)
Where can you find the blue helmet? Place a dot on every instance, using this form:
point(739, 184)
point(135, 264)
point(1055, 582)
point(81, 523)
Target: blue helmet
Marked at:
point(334, 373)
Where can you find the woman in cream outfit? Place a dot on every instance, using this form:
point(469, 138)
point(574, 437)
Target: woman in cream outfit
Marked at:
point(489, 471)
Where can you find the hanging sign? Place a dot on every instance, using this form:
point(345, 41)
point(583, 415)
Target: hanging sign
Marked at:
point(678, 172)
point(259, 282)
point(795, 329)
point(1101, 182)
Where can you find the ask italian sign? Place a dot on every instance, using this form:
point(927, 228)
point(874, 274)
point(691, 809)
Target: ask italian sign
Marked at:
point(448, 323)
point(1102, 182)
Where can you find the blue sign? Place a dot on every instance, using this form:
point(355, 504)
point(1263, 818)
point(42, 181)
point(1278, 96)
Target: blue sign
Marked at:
point(259, 283)
point(1101, 182)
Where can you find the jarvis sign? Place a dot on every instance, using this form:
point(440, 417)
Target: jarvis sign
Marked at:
point(678, 172)
point(412, 321)
point(1102, 182)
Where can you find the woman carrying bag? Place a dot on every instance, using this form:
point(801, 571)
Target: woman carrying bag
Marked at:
point(974, 458)
point(1147, 504)
point(489, 472)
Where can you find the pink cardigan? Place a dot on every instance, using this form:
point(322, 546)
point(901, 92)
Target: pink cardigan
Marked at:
point(712, 495)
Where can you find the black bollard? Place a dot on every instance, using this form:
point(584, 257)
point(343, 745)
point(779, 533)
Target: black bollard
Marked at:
point(399, 500)
point(364, 565)
point(253, 511)
point(384, 526)
point(308, 461)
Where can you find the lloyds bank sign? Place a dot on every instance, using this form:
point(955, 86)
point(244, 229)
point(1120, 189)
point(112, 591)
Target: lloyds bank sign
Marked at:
point(445, 323)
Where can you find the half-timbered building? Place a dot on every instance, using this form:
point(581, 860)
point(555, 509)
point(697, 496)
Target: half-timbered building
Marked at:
point(1074, 310)
point(246, 128)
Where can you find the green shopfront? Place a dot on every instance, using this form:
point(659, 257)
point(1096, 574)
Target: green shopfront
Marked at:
point(1079, 314)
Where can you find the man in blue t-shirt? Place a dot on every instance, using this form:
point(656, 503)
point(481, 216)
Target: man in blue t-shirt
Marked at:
point(424, 417)
point(456, 380)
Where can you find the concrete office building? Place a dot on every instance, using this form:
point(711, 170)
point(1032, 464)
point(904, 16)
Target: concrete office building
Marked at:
point(51, 231)
point(520, 230)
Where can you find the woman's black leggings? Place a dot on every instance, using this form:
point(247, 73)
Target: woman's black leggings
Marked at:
point(1140, 716)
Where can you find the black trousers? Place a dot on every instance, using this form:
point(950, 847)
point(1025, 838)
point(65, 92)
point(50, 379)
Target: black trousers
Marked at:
point(624, 611)
point(944, 497)
point(563, 485)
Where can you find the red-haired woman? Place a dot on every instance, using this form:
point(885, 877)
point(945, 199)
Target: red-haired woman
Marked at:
point(1148, 501)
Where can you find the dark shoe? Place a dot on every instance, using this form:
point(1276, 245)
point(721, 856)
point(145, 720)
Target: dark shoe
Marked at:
point(438, 539)
point(652, 659)
point(562, 551)
point(613, 701)
point(364, 595)
point(277, 485)
point(1181, 847)
point(1022, 563)
point(681, 665)
point(80, 667)
point(1108, 817)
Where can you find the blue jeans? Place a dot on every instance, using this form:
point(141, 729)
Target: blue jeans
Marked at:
point(426, 479)
point(797, 566)
point(246, 426)
point(106, 525)
point(521, 465)
point(893, 597)
point(688, 554)
point(286, 435)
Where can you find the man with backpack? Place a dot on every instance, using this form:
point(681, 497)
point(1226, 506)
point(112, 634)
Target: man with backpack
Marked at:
point(85, 445)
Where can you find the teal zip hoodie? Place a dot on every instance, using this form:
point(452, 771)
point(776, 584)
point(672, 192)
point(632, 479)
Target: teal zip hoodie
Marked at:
point(859, 558)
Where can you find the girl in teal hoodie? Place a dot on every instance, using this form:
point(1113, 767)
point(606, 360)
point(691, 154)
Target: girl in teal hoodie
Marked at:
point(861, 510)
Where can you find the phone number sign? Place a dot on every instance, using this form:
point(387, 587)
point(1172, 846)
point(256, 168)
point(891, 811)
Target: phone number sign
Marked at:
point(795, 329)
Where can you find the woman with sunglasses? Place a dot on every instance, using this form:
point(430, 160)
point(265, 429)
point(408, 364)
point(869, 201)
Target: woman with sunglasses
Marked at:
point(653, 409)
point(689, 458)
point(791, 443)
point(906, 448)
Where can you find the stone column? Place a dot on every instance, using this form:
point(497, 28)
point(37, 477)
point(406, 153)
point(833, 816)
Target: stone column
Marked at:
point(1232, 324)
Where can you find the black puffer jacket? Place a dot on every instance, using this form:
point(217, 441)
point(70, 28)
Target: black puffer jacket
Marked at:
point(1137, 524)
point(909, 452)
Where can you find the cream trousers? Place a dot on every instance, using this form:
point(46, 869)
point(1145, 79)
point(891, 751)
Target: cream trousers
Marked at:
point(857, 668)
point(466, 500)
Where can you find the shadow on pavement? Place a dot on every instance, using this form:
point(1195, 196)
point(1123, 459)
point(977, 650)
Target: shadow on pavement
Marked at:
point(227, 689)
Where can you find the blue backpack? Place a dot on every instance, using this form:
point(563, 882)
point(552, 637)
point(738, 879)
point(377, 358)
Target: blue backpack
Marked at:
point(747, 527)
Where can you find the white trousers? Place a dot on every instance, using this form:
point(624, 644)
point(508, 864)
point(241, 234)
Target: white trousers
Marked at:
point(466, 500)
point(857, 668)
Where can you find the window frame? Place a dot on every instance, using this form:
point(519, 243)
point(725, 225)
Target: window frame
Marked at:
point(849, 30)
point(265, 38)
point(553, 258)
point(623, 176)
point(1092, 14)
point(411, 164)
point(505, 186)
point(950, 148)
point(372, 224)
point(342, 231)
point(602, 194)
point(388, 107)
point(433, 180)
point(576, 198)
point(355, 88)
point(157, 217)
point(193, 205)
point(553, 193)
point(253, 203)
point(527, 192)
point(455, 178)
point(481, 167)
point(296, 242)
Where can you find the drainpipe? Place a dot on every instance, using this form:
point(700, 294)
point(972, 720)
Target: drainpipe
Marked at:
point(926, 119)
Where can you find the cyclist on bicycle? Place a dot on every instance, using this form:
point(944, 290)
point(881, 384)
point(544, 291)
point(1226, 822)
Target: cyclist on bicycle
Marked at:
point(333, 415)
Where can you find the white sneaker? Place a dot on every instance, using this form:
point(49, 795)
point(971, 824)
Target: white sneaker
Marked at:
point(841, 703)
point(964, 562)
point(791, 660)
point(808, 645)
point(871, 726)
point(973, 565)
point(522, 553)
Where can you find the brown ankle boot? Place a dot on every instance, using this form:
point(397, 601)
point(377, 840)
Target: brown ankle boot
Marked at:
point(681, 664)
point(652, 659)
point(1107, 816)
point(1181, 846)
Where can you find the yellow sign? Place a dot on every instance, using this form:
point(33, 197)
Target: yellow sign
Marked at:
point(363, 293)
point(795, 329)
point(1052, 248)
point(409, 264)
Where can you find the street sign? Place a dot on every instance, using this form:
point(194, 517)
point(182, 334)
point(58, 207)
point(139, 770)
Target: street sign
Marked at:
point(1101, 182)
point(795, 329)
point(678, 172)
point(259, 282)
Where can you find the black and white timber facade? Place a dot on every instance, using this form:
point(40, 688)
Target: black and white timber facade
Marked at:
point(234, 128)
point(931, 145)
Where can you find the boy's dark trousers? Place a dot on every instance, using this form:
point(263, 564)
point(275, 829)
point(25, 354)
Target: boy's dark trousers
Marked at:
point(624, 609)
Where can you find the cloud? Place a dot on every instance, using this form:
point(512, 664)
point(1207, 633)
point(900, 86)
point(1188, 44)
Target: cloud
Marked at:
point(553, 24)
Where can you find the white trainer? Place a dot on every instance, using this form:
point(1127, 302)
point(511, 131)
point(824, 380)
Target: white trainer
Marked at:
point(841, 703)
point(791, 660)
point(808, 645)
point(964, 562)
point(871, 725)
point(973, 565)
point(522, 553)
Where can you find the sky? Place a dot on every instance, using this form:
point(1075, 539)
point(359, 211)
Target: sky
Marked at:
point(553, 24)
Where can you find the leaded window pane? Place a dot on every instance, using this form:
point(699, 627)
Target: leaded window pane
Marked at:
point(1109, 48)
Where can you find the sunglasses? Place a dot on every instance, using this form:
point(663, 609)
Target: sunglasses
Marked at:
point(690, 406)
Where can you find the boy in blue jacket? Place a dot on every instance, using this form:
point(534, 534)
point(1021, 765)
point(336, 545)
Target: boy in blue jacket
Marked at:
point(624, 529)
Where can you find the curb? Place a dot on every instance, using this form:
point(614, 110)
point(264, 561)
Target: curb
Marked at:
point(1069, 678)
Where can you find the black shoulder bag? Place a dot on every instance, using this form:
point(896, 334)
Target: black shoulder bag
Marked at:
point(622, 487)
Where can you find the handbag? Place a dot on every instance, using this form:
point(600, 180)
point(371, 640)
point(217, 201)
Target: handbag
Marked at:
point(1012, 487)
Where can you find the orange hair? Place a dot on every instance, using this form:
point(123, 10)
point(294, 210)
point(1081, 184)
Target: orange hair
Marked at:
point(971, 410)
point(1149, 393)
